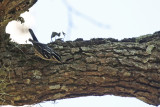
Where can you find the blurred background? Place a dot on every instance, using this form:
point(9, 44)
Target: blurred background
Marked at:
point(89, 19)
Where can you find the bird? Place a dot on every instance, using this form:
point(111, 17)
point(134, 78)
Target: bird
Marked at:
point(43, 50)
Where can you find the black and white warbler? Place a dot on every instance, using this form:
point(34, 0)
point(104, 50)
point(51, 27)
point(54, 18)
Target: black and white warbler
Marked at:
point(43, 50)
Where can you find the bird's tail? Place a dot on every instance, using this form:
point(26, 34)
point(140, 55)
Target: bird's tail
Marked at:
point(33, 35)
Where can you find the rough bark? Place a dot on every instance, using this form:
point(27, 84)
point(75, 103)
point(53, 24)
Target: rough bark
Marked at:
point(130, 67)
point(95, 67)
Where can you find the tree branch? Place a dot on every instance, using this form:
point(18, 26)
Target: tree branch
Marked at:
point(95, 67)
point(11, 10)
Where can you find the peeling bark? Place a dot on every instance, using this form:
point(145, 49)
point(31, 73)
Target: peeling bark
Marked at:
point(130, 67)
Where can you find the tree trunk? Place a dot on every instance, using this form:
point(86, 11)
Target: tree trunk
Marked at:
point(130, 67)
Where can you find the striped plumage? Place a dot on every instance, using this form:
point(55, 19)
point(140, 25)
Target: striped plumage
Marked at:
point(43, 50)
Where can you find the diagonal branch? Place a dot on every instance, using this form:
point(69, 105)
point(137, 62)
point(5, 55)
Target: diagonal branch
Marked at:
point(11, 10)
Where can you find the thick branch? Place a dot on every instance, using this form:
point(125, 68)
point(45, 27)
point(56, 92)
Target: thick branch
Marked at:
point(95, 67)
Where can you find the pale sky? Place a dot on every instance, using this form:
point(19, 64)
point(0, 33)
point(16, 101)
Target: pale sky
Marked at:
point(90, 19)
